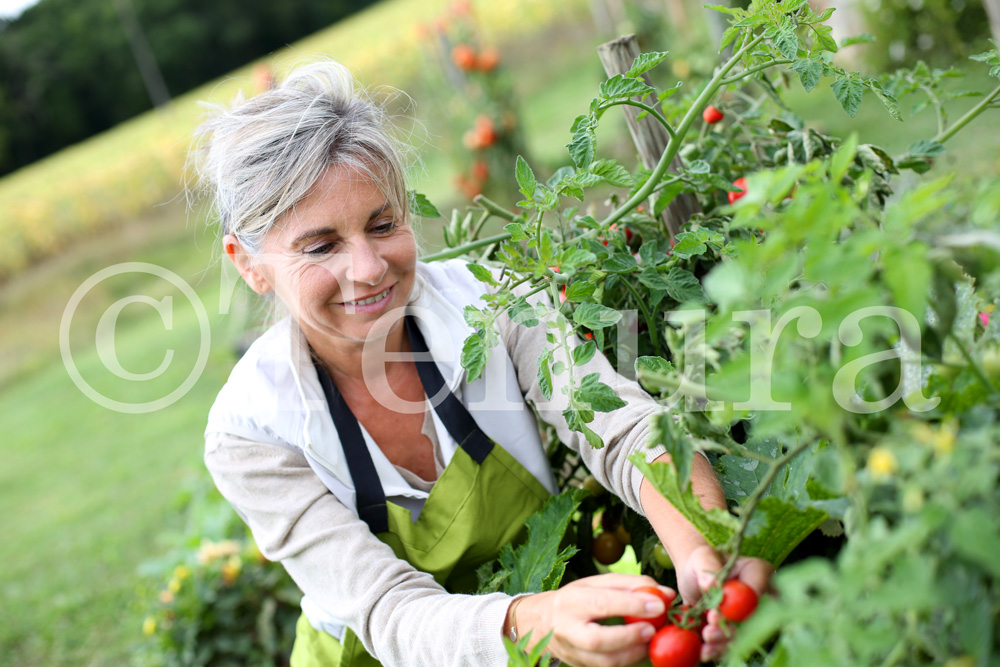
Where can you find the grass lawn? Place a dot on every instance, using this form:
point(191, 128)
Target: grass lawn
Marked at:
point(86, 491)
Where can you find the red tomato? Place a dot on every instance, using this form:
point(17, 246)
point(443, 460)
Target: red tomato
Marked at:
point(738, 601)
point(607, 548)
point(740, 183)
point(464, 56)
point(675, 647)
point(656, 621)
point(711, 115)
point(488, 60)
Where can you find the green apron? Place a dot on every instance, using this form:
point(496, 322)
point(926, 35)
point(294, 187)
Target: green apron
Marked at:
point(478, 504)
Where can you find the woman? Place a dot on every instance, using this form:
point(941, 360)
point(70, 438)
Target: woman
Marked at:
point(325, 441)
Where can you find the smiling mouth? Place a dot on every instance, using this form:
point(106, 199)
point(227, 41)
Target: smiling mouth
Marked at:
point(369, 300)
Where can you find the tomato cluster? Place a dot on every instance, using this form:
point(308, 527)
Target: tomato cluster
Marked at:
point(466, 58)
point(677, 642)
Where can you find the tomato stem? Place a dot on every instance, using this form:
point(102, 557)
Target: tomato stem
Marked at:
point(968, 117)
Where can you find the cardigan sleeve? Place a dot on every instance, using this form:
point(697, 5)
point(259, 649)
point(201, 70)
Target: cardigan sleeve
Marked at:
point(624, 431)
point(401, 615)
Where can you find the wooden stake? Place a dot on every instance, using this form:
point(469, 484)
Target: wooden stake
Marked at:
point(649, 136)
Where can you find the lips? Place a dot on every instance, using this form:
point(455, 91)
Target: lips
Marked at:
point(369, 304)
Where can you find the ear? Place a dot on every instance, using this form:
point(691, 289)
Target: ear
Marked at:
point(244, 264)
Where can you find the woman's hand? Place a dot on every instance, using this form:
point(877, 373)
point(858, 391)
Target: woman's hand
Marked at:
point(571, 614)
point(698, 574)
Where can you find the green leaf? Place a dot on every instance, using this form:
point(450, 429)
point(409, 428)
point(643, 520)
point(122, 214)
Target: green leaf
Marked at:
point(722, 8)
point(908, 274)
point(699, 167)
point(474, 317)
point(584, 353)
point(863, 38)
point(482, 274)
point(475, 354)
point(666, 196)
point(613, 173)
point(777, 527)
point(824, 38)
point(653, 279)
point(545, 374)
point(926, 148)
point(600, 396)
point(580, 290)
point(574, 258)
point(848, 91)
point(991, 58)
point(886, 98)
point(650, 254)
point(645, 62)
point(715, 525)
point(581, 147)
point(531, 565)
point(690, 244)
point(620, 87)
point(786, 41)
point(680, 450)
point(420, 205)
point(809, 71)
point(595, 316)
point(525, 178)
point(516, 231)
point(577, 420)
point(650, 369)
point(728, 36)
point(522, 312)
point(841, 161)
point(682, 286)
point(620, 262)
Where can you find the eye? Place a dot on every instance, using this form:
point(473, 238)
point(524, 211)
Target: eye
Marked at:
point(320, 248)
point(385, 227)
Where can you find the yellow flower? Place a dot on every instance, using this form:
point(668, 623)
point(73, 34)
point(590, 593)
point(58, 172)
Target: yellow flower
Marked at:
point(149, 626)
point(182, 572)
point(212, 551)
point(174, 586)
point(882, 463)
point(231, 569)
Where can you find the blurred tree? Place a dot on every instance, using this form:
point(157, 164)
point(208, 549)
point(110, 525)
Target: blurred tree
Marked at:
point(67, 72)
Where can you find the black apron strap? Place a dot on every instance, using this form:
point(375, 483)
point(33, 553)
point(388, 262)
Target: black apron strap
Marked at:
point(462, 427)
point(456, 418)
point(369, 496)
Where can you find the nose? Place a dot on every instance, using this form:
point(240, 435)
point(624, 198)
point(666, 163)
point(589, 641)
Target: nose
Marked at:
point(365, 264)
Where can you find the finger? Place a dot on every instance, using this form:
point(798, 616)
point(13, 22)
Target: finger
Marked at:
point(617, 580)
point(755, 573)
point(598, 603)
point(596, 638)
point(624, 658)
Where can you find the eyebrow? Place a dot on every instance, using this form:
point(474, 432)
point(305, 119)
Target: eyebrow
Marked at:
point(323, 231)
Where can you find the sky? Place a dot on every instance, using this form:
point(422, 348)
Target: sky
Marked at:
point(12, 8)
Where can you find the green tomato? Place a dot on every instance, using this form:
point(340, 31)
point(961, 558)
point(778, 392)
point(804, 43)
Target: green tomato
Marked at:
point(662, 558)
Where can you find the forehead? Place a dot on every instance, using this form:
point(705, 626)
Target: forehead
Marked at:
point(342, 198)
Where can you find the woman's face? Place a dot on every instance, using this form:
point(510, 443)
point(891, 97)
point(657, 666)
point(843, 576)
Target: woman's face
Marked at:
point(340, 259)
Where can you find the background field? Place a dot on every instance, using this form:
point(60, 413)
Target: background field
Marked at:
point(85, 492)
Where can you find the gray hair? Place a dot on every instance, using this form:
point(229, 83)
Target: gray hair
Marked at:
point(262, 156)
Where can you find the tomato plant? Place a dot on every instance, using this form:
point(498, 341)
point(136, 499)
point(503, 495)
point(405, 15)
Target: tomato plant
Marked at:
point(675, 647)
point(857, 447)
